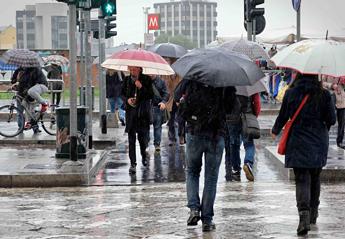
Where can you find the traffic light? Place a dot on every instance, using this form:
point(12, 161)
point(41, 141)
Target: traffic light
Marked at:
point(109, 26)
point(108, 7)
point(251, 12)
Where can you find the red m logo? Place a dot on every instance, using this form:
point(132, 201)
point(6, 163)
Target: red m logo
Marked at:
point(153, 22)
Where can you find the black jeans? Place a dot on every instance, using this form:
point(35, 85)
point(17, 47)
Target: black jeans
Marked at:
point(307, 187)
point(341, 124)
point(143, 142)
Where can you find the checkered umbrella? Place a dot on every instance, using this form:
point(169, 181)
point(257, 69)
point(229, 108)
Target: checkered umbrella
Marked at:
point(22, 58)
point(56, 59)
point(252, 49)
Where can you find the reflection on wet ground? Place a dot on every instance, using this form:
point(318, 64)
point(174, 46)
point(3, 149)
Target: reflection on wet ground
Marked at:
point(153, 203)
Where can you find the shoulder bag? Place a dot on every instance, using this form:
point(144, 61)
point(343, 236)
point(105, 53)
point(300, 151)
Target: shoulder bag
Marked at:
point(287, 128)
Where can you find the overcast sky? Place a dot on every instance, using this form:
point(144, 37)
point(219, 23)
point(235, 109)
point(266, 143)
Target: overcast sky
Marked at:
point(317, 16)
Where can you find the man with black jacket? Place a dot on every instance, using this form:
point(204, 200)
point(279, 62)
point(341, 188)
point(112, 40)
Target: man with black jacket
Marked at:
point(137, 92)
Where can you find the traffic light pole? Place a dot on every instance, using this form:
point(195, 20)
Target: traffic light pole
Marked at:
point(73, 82)
point(88, 73)
point(101, 74)
point(82, 59)
point(254, 30)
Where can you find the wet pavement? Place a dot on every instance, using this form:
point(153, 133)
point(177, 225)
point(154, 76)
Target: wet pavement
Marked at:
point(154, 204)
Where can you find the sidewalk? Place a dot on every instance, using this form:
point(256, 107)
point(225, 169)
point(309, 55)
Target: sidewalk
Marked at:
point(28, 160)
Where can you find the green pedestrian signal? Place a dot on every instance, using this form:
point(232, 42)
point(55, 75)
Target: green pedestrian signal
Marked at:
point(108, 7)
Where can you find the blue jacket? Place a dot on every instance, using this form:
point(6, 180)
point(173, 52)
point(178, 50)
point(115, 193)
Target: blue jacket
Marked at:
point(161, 87)
point(307, 146)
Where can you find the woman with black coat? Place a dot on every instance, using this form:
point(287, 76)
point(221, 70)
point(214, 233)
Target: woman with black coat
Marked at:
point(307, 146)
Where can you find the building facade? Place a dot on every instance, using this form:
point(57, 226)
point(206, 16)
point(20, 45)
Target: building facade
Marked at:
point(195, 19)
point(7, 37)
point(42, 26)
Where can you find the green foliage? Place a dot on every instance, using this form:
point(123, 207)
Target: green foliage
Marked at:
point(178, 39)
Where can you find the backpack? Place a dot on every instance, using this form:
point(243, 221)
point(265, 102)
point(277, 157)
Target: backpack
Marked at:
point(202, 105)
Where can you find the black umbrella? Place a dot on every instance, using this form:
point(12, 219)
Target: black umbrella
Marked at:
point(218, 68)
point(168, 50)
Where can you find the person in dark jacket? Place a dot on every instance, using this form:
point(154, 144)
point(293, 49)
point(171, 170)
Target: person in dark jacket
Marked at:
point(204, 140)
point(307, 146)
point(113, 93)
point(161, 97)
point(137, 93)
point(234, 137)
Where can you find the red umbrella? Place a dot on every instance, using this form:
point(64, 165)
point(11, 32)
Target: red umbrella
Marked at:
point(152, 63)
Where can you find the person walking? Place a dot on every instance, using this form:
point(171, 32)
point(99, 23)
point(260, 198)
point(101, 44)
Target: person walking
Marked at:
point(307, 146)
point(204, 138)
point(338, 87)
point(160, 98)
point(234, 137)
point(55, 73)
point(171, 82)
point(113, 93)
point(137, 92)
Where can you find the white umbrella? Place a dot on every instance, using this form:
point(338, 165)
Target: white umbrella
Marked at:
point(326, 57)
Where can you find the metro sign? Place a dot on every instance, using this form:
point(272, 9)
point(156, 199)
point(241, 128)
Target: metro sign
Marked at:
point(153, 22)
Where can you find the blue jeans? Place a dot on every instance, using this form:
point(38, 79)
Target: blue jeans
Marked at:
point(115, 103)
point(233, 141)
point(213, 150)
point(157, 125)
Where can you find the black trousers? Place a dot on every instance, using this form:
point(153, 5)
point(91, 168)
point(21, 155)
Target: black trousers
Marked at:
point(341, 124)
point(143, 138)
point(307, 187)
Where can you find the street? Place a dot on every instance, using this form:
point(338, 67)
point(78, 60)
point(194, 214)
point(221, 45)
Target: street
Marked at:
point(153, 204)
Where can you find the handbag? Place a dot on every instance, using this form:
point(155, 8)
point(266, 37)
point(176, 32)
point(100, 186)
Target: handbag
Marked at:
point(287, 128)
point(165, 112)
point(250, 126)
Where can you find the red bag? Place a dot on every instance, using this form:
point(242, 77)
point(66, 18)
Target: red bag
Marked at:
point(287, 128)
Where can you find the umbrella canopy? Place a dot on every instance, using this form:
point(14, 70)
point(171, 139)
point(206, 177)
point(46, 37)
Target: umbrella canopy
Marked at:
point(151, 63)
point(96, 60)
point(218, 68)
point(56, 59)
point(249, 90)
point(325, 57)
point(7, 67)
point(168, 50)
point(22, 58)
point(252, 49)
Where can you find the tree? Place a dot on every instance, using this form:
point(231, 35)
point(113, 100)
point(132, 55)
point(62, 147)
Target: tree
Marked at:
point(178, 39)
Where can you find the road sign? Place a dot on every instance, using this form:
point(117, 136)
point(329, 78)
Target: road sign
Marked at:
point(148, 39)
point(153, 22)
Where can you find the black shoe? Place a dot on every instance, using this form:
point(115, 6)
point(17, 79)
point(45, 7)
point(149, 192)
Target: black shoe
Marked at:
point(157, 148)
point(236, 175)
point(145, 162)
point(207, 227)
point(341, 145)
point(132, 169)
point(247, 168)
point(304, 223)
point(194, 217)
point(314, 213)
point(122, 122)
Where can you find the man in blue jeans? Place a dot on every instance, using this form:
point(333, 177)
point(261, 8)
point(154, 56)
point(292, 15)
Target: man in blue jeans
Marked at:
point(204, 140)
point(160, 98)
point(234, 138)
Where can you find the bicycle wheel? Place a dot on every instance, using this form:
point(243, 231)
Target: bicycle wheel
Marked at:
point(48, 121)
point(10, 116)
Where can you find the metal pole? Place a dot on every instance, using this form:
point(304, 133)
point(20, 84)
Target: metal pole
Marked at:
point(101, 73)
point(73, 83)
point(298, 35)
point(254, 29)
point(82, 59)
point(88, 72)
point(249, 30)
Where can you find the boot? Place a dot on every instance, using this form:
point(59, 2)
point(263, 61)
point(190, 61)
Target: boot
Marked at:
point(314, 213)
point(304, 223)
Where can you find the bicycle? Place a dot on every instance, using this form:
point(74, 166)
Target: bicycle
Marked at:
point(10, 115)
